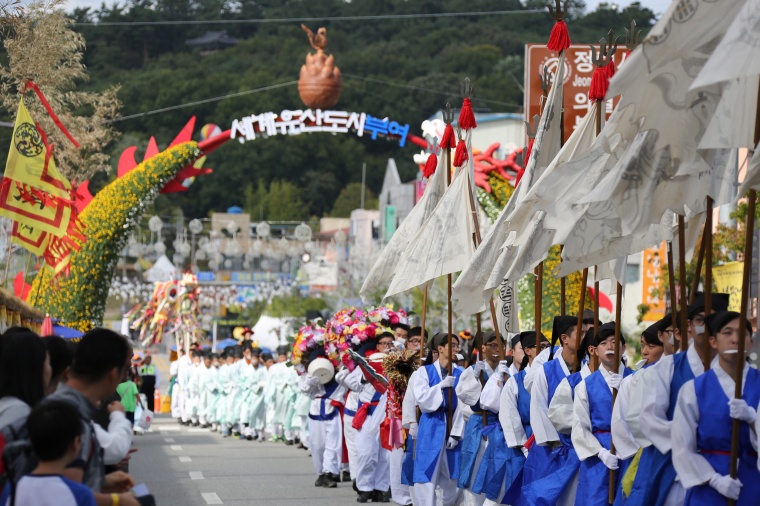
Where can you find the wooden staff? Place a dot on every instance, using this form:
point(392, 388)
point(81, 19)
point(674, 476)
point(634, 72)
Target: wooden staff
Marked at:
point(698, 270)
point(682, 280)
point(449, 118)
point(537, 295)
point(740, 361)
point(424, 315)
point(579, 328)
point(672, 277)
point(618, 316)
point(707, 238)
point(595, 358)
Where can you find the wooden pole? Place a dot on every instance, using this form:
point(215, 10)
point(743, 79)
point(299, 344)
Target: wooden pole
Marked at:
point(538, 285)
point(707, 237)
point(618, 316)
point(579, 328)
point(700, 260)
point(682, 281)
point(672, 277)
point(424, 315)
point(7, 261)
point(595, 358)
point(740, 360)
point(450, 314)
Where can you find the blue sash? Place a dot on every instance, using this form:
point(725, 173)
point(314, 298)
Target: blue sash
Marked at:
point(471, 442)
point(323, 400)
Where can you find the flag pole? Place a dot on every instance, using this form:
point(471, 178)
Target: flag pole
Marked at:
point(579, 328)
point(707, 243)
point(682, 280)
point(448, 118)
point(672, 287)
point(423, 342)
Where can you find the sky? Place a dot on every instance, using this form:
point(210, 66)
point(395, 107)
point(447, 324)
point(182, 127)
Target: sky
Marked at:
point(658, 6)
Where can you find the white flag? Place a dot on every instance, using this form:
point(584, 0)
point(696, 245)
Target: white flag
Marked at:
point(382, 272)
point(507, 309)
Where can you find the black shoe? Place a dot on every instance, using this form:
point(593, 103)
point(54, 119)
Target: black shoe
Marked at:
point(196, 424)
point(249, 438)
point(334, 477)
point(356, 489)
point(346, 476)
point(254, 438)
point(301, 446)
point(364, 497)
point(379, 496)
point(329, 482)
point(298, 440)
point(320, 481)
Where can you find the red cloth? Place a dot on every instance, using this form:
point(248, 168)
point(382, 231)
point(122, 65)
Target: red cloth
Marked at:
point(449, 140)
point(467, 116)
point(460, 156)
point(600, 82)
point(361, 414)
point(430, 165)
point(559, 40)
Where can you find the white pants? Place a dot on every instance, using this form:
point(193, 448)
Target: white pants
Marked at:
point(176, 401)
point(468, 497)
point(350, 434)
point(399, 492)
point(372, 470)
point(424, 493)
point(568, 495)
point(304, 432)
point(326, 445)
point(676, 495)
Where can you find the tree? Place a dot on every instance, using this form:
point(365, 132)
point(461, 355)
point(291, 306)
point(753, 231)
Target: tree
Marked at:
point(350, 198)
point(281, 201)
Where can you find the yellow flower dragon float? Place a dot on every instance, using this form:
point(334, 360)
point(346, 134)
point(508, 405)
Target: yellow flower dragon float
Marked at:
point(78, 300)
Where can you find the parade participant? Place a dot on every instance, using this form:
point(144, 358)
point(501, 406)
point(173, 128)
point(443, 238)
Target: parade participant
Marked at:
point(517, 355)
point(150, 379)
point(177, 369)
point(437, 458)
point(552, 462)
point(280, 393)
point(702, 422)
point(301, 419)
point(468, 391)
point(505, 456)
point(233, 394)
point(252, 380)
point(657, 407)
point(400, 334)
point(191, 389)
point(225, 390)
point(267, 360)
point(592, 418)
point(212, 392)
point(351, 404)
point(325, 435)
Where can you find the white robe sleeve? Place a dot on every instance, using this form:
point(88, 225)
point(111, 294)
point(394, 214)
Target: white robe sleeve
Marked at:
point(468, 387)
point(429, 399)
point(489, 397)
point(692, 468)
point(509, 416)
point(409, 405)
point(539, 409)
point(310, 389)
point(561, 408)
point(536, 367)
point(625, 445)
point(585, 443)
point(654, 406)
point(633, 416)
point(354, 380)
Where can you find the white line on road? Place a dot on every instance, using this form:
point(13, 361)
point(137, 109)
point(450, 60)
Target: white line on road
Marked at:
point(168, 428)
point(169, 439)
point(185, 460)
point(196, 475)
point(176, 448)
point(211, 498)
point(197, 429)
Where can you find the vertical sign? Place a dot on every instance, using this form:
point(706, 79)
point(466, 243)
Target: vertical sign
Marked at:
point(578, 71)
point(652, 260)
point(390, 222)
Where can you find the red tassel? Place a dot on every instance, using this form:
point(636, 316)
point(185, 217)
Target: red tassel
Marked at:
point(559, 40)
point(599, 84)
point(466, 116)
point(610, 69)
point(430, 166)
point(448, 141)
point(460, 156)
point(528, 151)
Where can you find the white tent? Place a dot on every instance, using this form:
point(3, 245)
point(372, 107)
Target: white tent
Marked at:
point(270, 332)
point(162, 270)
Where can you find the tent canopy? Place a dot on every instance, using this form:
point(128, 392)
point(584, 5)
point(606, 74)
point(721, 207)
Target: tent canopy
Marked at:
point(162, 270)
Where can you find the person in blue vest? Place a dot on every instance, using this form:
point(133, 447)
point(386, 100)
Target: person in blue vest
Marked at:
point(437, 452)
point(552, 463)
point(592, 419)
point(505, 454)
point(663, 385)
point(149, 377)
point(325, 434)
point(703, 418)
point(480, 422)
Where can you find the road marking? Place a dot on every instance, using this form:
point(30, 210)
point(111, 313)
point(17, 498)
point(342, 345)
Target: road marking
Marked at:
point(185, 460)
point(211, 498)
point(176, 448)
point(196, 475)
point(169, 439)
point(169, 428)
point(197, 429)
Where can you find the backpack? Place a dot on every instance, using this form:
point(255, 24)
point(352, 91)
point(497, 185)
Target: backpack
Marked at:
point(18, 458)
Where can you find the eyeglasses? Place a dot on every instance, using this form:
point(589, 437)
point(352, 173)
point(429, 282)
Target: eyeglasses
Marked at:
point(414, 341)
point(385, 343)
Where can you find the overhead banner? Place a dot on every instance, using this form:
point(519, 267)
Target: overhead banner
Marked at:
point(577, 78)
point(728, 279)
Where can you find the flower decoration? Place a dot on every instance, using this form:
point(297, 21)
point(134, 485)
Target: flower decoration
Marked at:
point(349, 328)
point(308, 338)
point(387, 316)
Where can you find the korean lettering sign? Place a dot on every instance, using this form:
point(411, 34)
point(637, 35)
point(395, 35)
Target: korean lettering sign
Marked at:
point(652, 292)
point(578, 71)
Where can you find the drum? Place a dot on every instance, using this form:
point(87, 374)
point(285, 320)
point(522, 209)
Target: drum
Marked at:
point(322, 369)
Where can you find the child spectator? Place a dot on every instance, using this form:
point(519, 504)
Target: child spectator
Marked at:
point(54, 431)
point(130, 398)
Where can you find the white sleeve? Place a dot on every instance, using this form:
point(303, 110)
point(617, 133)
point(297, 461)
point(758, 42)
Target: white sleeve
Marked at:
point(409, 405)
point(625, 445)
point(354, 380)
point(654, 405)
point(539, 409)
point(489, 397)
point(428, 398)
point(561, 408)
point(310, 389)
point(585, 443)
point(509, 416)
point(458, 422)
point(692, 468)
point(536, 367)
point(633, 415)
point(117, 440)
point(468, 387)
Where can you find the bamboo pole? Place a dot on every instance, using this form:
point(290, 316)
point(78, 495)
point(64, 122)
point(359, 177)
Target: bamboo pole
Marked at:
point(450, 319)
point(682, 280)
point(595, 358)
point(700, 260)
point(618, 316)
point(707, 237)
point(538, 285)
point(424, 315)
point(740, 361)
point(672, 277)
point(579, 328)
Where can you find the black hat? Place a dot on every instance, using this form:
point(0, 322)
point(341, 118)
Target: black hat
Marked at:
point(604, 332)
point(719, 319)
point(588, 316)
point(283, 349)
point(650, 334)
point(719, 303)
point(414, 331)
point(266, 357)
point(317, 352)
point(515, 340)
point(562, 325)
point(256, 352)
point(441, 339)
point(404, 326)
point(489, 336)
point(528, 338)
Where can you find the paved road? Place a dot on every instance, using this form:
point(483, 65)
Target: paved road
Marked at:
point(190, 466)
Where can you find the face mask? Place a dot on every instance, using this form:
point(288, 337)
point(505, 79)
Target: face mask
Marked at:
point(671, 339)
point(699, 329)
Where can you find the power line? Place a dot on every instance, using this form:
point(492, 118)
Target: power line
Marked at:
point(304, 19)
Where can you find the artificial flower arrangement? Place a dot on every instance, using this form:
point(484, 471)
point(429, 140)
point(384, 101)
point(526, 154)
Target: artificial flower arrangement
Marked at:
point(387, 316)
point(349, 328)
point(309, 338)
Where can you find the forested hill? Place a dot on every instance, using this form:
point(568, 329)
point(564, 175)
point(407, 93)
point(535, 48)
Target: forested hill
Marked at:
point(404, 69)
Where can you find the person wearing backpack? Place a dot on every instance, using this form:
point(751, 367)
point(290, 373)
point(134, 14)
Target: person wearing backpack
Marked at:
point(24, 374)
point(54, 431)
